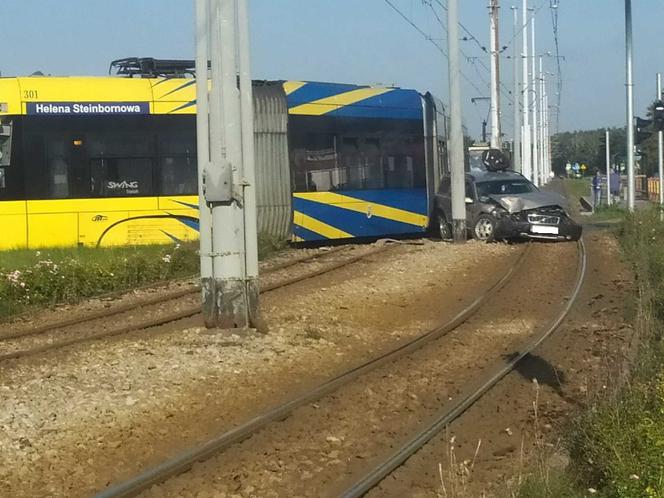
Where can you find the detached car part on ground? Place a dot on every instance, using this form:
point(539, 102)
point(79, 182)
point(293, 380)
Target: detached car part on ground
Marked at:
point(504, 205)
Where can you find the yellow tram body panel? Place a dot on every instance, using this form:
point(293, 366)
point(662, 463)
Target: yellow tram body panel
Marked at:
point(164, 95)
point(98, 222)
point(14, 225)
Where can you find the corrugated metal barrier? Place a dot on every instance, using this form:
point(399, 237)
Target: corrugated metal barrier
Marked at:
point(273, 189)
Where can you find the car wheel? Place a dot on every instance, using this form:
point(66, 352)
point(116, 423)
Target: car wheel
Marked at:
point(484, 227)
point(444, 228)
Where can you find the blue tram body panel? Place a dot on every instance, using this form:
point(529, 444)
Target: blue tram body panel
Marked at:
point(327, 203)
point(360, 214)
point(353, 101)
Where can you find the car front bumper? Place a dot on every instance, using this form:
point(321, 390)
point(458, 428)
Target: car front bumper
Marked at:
point(509, 229)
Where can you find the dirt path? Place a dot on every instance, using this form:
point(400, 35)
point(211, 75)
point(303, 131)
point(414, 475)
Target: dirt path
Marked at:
point(320, 446)
point(75, 420)
point(577, 363)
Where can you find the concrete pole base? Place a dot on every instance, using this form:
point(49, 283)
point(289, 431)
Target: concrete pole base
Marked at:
point(231, 306)
point(254, 312)
point(459, 231)
point(224, 306)
point(209, 306)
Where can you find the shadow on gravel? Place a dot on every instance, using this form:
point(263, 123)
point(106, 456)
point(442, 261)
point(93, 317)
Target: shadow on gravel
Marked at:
point(535, 367)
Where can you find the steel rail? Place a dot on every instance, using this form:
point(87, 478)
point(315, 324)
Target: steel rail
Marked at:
point(458, 407)
point(123, 308)
point(185, 460)
point(178, 315)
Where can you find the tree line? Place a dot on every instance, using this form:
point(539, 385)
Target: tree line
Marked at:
point(588, 147)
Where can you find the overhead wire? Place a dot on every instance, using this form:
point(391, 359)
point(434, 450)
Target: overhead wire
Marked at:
point(505, 91)
point(430, 39)
point(520, 30)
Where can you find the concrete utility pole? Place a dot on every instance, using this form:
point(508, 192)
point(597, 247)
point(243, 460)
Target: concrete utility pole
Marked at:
point(534, 86)
point(630, 105)
point(607, 138)
point(545, 144)
point(526, 163)
point(542, 152)
point(203, 146)
point(660, 154)
point(516, 152)
point(457, 170)
point(230, 293)
point(248, 168)
point(495, 75)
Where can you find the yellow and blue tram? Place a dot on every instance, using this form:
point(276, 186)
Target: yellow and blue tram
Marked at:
point(112, 160)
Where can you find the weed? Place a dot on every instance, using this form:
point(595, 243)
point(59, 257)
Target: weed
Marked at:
point(48, 277)
point(618, 444)
point(31, 278)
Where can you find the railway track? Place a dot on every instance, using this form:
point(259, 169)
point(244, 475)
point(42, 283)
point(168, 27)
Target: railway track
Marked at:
point(49, 336)
point(376, 474)
point(225, 441)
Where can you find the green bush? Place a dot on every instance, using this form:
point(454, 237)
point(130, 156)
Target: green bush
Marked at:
point(618, 444)
point(66, 276)
point(554, 485)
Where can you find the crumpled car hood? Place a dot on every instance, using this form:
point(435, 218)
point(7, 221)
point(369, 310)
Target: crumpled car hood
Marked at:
point(531, 200)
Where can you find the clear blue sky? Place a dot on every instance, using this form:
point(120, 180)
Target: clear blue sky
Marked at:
point(355, 41)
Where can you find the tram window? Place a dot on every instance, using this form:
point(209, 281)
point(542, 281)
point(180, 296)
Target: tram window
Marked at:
point(177, 163)
point(315, 162)
point(5, 142)
point(58, 160)
point(59, 178)
point(179, 175)
point(121, 177)
point(109, 143)
point(400, 172)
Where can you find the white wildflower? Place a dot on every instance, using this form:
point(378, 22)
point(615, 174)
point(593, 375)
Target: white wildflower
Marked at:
point(592, 491)
point(14, 277)
point(166, 259)
point(634, 477)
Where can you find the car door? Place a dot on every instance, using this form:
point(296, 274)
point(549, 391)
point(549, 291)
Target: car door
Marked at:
point(443, 201)
point(474, 208)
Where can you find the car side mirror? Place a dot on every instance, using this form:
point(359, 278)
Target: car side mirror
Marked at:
point(469, 200)
point(484, 199)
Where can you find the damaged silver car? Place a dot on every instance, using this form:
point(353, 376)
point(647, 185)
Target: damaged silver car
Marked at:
point(504, 205)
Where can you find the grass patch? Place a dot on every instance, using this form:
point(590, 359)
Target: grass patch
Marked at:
point(553, 485)
point(31, 278)
point(269, 245)
point(616, 446)
point(37, 278)
point(578, 187)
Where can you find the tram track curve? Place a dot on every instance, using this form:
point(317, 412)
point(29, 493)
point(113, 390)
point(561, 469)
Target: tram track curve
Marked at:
point(172, 297)
point(376, 474)
point(185, 460)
